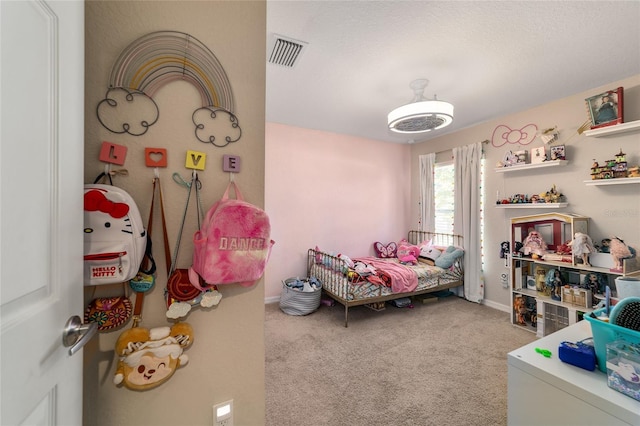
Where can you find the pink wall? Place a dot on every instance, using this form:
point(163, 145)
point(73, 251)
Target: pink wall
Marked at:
point(335, 191)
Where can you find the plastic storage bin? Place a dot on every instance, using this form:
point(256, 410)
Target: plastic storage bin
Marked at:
point(299, 302)
point(623, 368)
point(627, 287)
point(604, 333)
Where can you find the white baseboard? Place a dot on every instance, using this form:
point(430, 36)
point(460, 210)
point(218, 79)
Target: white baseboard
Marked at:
point(272, 299)
point(494, 305)
point(498, 306)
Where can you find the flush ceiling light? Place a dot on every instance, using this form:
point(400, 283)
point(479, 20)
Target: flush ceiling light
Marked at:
point(422, 114)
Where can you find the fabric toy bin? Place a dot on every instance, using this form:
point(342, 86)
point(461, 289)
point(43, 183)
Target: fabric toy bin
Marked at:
point(294, 301)
point(605, 333)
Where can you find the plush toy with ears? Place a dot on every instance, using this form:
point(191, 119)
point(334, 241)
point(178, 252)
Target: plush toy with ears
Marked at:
point(149, 357)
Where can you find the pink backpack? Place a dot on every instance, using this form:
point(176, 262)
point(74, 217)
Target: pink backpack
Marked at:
point(233, 244)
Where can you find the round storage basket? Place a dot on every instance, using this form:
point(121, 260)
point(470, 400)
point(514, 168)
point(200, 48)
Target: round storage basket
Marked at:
point(298, 302)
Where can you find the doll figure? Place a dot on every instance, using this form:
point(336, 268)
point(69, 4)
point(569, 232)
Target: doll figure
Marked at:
point(581, 246)
point(504, 249)
point(554, 283)
point(540, 279)
point(619, 250)
point(596, 283)
point(534, 244)
point(520, 310)
point(605, 245)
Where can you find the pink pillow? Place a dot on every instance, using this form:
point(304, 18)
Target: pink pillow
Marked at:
point(405, 249)
point(387, 251)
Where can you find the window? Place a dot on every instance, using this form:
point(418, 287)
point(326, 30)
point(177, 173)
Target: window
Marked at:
point(443, 188)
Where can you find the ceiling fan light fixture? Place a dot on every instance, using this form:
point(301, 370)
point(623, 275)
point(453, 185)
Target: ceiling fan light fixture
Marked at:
point(421, 115)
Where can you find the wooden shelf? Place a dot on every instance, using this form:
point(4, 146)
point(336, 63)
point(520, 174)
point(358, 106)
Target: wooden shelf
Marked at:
point(615, 181)
point(532, 206)
point(629, 264)
point(632, 126)
point(518, 167)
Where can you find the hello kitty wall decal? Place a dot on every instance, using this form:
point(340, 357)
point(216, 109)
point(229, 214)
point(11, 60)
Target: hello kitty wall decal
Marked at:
point(503, 134)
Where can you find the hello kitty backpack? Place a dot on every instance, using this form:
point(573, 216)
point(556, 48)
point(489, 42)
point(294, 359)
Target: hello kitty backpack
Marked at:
point(114, 236)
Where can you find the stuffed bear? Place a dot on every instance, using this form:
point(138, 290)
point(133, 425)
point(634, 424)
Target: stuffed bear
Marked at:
point(149, 357)
point(448, 257)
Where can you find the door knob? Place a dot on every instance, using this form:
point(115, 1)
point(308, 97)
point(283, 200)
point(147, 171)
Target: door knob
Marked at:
point(76, 334)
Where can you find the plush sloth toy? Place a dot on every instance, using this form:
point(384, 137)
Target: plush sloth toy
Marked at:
point(149, 357)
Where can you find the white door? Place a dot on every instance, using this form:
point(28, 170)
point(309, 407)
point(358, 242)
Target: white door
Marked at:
point(41, 177)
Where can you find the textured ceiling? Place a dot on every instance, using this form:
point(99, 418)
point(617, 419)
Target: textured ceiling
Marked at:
point(488, 58)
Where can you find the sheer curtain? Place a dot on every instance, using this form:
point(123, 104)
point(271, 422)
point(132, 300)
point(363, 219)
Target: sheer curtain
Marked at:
point(427, 199)
point(467, 216)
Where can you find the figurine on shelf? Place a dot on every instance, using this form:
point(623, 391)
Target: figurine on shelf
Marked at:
point(619, 251)
point(534, 244)
point(540, 279)
point(595, 282)
point(581, 246)
point(552, 195)
point(554, 283)
point(520, 310)
point(604, 248)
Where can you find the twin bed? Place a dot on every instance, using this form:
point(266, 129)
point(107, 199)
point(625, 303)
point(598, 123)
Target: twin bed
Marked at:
point(392, 279)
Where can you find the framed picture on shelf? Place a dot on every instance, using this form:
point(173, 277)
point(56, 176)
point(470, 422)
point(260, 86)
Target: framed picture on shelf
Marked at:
point(538, 155)
point(557, 152)
point(606, 109)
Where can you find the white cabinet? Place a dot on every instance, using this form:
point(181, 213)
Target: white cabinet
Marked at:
point(547, 391)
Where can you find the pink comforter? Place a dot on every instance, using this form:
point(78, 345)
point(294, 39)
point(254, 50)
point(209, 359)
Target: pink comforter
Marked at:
point(403, 278)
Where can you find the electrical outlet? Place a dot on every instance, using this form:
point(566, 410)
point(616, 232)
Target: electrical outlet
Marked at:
point(223, 414)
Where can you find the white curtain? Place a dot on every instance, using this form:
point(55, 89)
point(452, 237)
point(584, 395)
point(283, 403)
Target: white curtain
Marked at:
point(427, 199)
point(467, 216)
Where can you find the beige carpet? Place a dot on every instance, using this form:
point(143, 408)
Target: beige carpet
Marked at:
point(441, 363)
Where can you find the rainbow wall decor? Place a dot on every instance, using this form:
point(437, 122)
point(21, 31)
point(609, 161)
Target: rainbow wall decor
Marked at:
point(157, 59)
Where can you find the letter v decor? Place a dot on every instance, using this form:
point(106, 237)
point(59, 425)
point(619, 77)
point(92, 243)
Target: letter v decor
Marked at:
point(159, 58)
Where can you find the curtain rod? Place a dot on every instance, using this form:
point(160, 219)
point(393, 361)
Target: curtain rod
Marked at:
point(484, 142)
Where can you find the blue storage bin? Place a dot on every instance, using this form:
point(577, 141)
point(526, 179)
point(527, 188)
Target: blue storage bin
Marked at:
point(604, 333)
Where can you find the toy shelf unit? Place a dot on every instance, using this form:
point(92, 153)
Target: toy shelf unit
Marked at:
point(540, 308)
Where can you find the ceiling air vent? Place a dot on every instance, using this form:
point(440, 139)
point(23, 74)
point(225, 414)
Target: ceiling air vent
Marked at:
point(285, 51)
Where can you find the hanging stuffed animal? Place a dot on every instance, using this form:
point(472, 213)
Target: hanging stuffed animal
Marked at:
point(149, 357)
